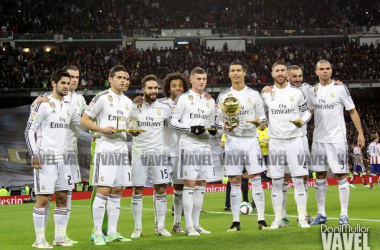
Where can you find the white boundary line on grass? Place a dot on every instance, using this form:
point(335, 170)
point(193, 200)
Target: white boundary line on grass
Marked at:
point(227, 213)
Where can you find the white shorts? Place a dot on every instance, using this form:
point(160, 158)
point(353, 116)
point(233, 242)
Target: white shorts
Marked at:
point(333, 155)
point(156, 164)
point(196, 164)
point(306, 150)
point(290, 152)
point(173, 169)
point(51, 178)
point(72, 160)
point(243, 152)
point(111, 168)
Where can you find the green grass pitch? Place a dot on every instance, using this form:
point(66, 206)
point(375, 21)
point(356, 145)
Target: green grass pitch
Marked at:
point(17, 232)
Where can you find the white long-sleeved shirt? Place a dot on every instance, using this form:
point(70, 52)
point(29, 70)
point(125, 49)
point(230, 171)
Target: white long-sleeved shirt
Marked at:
point(285, 105)
point(193, 109)
point(328, 103)
point(51, 123)
point(79, 104)
point(171, 136)
point(251, 107)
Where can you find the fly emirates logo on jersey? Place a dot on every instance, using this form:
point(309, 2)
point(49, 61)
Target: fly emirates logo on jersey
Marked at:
point(243, 111)
point(322, 104)
point(200, 115)
point(119, 115)
point(282, 109)
point(149, 122)
point(61, 124)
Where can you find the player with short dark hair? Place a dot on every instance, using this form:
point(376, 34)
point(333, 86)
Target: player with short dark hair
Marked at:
point(147, 147)
point(110, 109)
point(242, 139)
point(50, 122)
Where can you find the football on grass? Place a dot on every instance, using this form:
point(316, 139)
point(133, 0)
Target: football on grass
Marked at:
point(245, 208)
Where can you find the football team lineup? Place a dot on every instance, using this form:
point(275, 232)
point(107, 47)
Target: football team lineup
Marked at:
point(265, 131)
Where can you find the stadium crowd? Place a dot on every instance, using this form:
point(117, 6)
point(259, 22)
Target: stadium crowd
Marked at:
point(32, 69)
point(88, 16)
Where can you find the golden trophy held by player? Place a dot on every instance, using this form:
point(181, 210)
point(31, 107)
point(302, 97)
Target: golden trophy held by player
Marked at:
point(131, 125)
point(230, 108)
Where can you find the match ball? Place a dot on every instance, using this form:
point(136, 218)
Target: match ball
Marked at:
point(245, 208)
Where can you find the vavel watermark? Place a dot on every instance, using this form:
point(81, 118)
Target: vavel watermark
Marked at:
point(345, 237)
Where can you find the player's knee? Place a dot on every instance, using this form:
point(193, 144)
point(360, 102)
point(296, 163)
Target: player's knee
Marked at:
point(178, 187)
point(116, 190)
point(287, 177)
point(341, 176)
point(160, 189)
point(138, 190)
point(42, 200)
point(235, 180)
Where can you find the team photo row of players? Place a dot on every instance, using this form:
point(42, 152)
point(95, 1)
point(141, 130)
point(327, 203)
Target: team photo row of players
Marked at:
point(168, 132)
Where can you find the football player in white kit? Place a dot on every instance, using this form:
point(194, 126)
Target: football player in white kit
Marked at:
point(174, 84)
point(192, 115)
point(242, 140)
point(149, 156)
point(328, 99)
point(287, 113)
point(112, 168)
point(296, 79)
point(51, 122)
point(79, 104)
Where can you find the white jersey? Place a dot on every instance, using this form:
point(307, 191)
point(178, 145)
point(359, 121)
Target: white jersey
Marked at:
point(304, 88)
point(358, 156)
point(106, 108)
point(374, 152)
point(51, 122)
point(328, 102)
point(171, 136)
point(79, 104)
point(251, 107)
point(152, 119)
point(193, 109)
point(285, 105)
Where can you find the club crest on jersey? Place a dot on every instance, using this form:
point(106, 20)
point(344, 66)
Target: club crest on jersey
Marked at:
point(110, 98)
point(190, 97)
point(52, 105)
point(249, 100)
point(332, 95)
point(91, 106)
point(43, 187)
point(158, 112)
point(207, 105)
point(78, 103)
point(315, 91)
point(292, 98)
point(126, 107)
point(185, 173)
point(68, 113)
point(139, 107)
point(102, 178)
point(272, 94)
